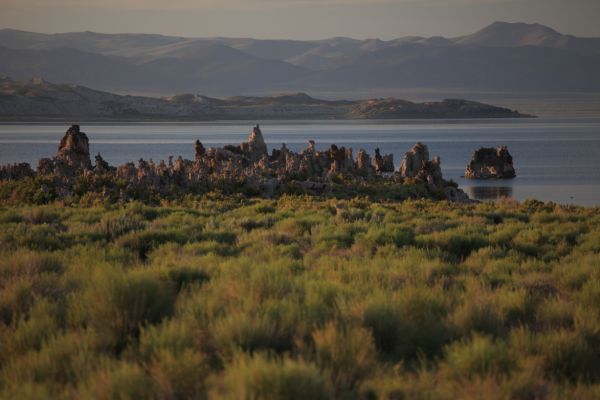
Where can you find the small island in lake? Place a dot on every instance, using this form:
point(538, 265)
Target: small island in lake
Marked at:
point(39, 99)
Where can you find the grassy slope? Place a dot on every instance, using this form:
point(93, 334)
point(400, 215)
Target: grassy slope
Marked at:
point(300, 298)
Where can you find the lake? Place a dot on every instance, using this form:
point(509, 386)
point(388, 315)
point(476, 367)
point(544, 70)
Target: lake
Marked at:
point(556, 159)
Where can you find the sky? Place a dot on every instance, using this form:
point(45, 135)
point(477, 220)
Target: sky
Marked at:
point(296, 19)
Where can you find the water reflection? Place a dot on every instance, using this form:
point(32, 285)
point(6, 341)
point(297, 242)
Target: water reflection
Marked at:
point(489, 192)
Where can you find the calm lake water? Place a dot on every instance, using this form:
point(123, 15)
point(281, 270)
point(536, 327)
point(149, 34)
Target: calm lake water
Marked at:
point(556, 159)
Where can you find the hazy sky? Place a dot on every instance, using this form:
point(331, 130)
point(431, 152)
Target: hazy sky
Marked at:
point(300, 19)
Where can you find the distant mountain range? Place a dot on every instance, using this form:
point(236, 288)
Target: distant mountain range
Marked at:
point(502, 56)
point(39, 99)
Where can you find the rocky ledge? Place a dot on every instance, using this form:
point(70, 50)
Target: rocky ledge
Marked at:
point(247, 167)
point(491, 163)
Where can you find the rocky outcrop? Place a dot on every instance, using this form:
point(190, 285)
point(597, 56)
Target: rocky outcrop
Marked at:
point(363, 164)
point(413, 160)
point(255, 148)
point(431, 172)
point(199, 150)
point(416, 165)
point(101, 166)
point(491, 163)
point(246, 167)
point(383, 164)
point(73, 157)
point(74, 149)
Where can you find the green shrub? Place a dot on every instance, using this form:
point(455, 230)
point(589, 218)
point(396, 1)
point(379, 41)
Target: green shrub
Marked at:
point(118, 303)
point(478, 314)
point(142, 242)
point(590, 295)
point(29, 263)
point(39, 237)
point(181, 376)
point(62, 360)
point(40, 215)
point(340, 236)
point(113, 227)
point(16, 298)
point(252, 332)
point(556, 313)
point(409, 325)
point(221, 296)
point(346, 354)
point(184, 276)
point(120, 380)
point(31, 331)
point(459, 241)
point(479, 355)
point(173, 335)
point(568, 355)
point(263, 377)
point(10, 217)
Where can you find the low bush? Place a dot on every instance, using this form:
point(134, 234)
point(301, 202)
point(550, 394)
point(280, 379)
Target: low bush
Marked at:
point(118, 380)
point(569, 355)
point(346, 354)
point(113, 227)
point(181, 376)
point(185, 276)
point(480, 355)
point(479, 315)
point(251, 332)
point(29, 264)
point(411, 324)
point(117, 304)
point(264, 377)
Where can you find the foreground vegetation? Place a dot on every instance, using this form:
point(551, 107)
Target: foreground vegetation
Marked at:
point(300, 298)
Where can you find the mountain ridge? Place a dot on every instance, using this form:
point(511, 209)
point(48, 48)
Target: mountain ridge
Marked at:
point(512, 56)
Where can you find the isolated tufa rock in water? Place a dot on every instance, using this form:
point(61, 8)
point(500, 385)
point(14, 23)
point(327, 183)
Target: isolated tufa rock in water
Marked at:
point(490, 163)
point(255, 147)
point(74, 149)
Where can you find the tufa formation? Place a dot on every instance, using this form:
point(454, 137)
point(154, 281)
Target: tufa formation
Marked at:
point(247, 167)
point(491, 163)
